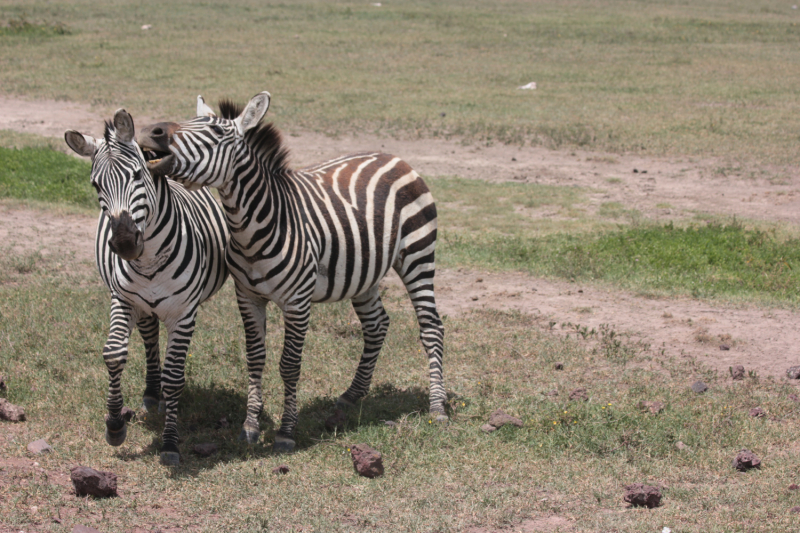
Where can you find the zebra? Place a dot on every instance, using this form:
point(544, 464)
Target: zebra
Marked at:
point(325, 233)
point(160, 251)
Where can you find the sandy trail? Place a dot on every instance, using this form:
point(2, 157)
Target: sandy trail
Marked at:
point(764, 340)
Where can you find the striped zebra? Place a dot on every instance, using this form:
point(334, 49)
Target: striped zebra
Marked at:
point(160, 251)
point(322, 234)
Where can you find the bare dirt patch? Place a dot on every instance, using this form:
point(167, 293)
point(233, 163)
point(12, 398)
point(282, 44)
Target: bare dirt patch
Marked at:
point(764, 340)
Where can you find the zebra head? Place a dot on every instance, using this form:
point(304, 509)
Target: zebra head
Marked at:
point(202, 151)
point(124, 186)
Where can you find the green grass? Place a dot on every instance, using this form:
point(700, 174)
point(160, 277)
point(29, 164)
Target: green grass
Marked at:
point(620, 75)
point(46, 175)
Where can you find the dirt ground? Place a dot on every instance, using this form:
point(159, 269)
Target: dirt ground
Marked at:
point(764, 340)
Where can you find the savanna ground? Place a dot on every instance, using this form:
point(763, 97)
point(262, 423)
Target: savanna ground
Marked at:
point(552, 249)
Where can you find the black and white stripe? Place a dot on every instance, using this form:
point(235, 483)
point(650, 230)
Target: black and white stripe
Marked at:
point(160, 251)
point(322, 234)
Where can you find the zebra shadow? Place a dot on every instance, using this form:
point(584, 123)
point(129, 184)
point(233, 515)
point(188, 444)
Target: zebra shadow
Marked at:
point(214, 415)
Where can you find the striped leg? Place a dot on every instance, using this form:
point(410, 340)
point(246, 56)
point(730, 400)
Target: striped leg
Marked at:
point(254, 318)
point(295, 320)
point(115, 355)
point(173, 379)
point(374, 326)
point(148, 329)
point(417, 271)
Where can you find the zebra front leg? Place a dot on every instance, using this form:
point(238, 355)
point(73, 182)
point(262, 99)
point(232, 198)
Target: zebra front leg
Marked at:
point(254, 318)
point(115, 355)
point(374, 326)
point(173, 379)
point(148, 329)
point(295, 319)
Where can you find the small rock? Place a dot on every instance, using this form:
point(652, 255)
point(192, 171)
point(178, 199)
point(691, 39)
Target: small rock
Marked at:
point(793, 372)
point(11, 412)
point(222, 423)
point(635, 170)
point(794, 397)
point(488, 428)
point(128, 414)
point(474, 298)
point(794, 486)
point(206, 449)
point(146, 27)
point(653, 407)
point(559, 366)
point(757, 412)
point(640, 495)
point(90, 482)
point(336, 421)
point(796, 509)
point(745, 460)
point(80, 528)
point(390, 423)
point(479, 280)
point(682, 447)
point(552, 393)
point(3, 383)
point(282, 469)
point(499, 419)
point(699, 387)
point(724, 347)
point(39, 447)
point(367, 461)
point(737, 372)
point(579, 395)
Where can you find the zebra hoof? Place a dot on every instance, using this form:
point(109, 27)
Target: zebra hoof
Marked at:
point(116, 437)
point(441, 419)
point(283, 445)
point(150, 404)
point(343, 404)
point(170, 458)
point(250, 436)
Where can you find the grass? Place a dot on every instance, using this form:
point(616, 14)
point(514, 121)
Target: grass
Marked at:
point(570, 459)
point(706, 79)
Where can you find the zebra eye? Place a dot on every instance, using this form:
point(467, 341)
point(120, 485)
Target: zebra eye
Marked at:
point(219, 131)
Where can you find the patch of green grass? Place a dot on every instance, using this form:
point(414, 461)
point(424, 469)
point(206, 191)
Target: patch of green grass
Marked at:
point(23, 28)
point(45, 175)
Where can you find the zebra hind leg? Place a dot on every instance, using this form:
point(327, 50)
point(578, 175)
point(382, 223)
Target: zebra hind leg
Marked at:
point(151, 399)
point(115, 355)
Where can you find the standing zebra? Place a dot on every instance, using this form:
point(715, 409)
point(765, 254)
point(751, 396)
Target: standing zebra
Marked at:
point(322, 234)
point(160, 251)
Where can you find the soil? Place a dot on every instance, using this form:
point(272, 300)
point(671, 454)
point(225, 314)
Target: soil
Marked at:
point(764, 340)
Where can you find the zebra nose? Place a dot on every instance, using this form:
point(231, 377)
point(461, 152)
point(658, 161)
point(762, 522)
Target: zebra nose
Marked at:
point(157, 136)
point(126, 239)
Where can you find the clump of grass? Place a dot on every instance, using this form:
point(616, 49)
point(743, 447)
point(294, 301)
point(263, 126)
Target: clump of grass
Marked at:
point(45, 175)
point(23, 27)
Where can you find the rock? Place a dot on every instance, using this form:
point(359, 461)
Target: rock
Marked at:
point(793, 372)
point(559, 366)
point(80, 528)
point(757, 412)
point(794, 397)
point(282, 469)
point(794, 486)
point(222, 423)
point(579, 395)
point(553, 393)
point(653, 407)
point(3, 383)
point(737, 372)
point(366, 461)
point(39, 447)
point(128, 414)
point(682, 447)
point(90, 482)
point(499, 419)
point(724, 347)
point(745, 460)
point(796, 509)
point(11, 412)
point(206, 449)
point(336, 421)
point(488, 428)
point(699, 387)
point(640, 495)
point(390, 423)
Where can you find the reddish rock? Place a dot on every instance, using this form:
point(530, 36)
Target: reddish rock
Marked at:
point(128, 414)
point(793, 372)
point(80, 528)
point(745, 460)
point(499, 419)
point(699, 387)
point(794, 486)
point(90, 482)
point(488, 428)
point(366, 461)
point(11, 412)
point(579, 395)
point(336, 421)
point(724, 347)
point(282, 469)
point(653, 407)
point(206, 449)
point(796, 510)
point(757, 412)
point(559, 366)
point(640, 495)
point(39, 447)
point(737, 372)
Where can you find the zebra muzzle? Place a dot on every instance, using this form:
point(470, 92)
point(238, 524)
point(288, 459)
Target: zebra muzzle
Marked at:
point(126, 240)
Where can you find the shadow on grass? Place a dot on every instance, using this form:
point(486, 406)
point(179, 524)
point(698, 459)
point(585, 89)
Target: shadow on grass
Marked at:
point(203, 408)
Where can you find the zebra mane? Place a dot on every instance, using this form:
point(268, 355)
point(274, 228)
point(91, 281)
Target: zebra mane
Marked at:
point(110, 129)
point(265, 140)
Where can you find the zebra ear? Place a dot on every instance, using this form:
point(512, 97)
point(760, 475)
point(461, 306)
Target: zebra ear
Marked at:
point(123, 123)
point(81, 144)
point(202, 109)
point(253, 113)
